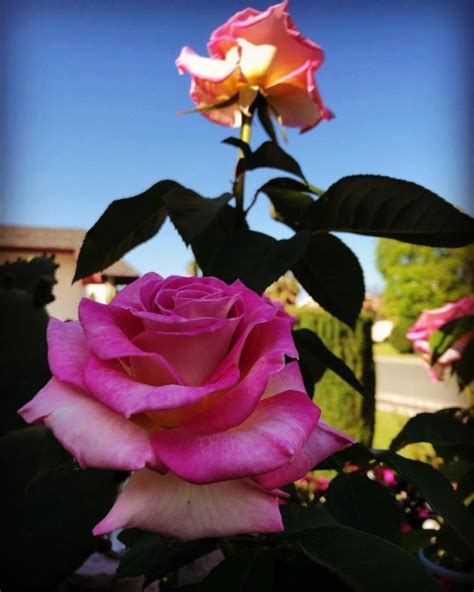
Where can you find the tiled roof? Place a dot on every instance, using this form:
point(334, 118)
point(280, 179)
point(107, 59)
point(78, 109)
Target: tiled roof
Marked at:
point(51, 240)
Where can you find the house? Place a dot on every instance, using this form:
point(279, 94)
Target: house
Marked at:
point(27, 242)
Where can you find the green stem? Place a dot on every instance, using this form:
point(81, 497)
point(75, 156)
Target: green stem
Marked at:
point(245, 135)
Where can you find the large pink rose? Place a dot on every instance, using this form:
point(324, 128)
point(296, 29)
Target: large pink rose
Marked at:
point(431, 320)
point(257, 52)
point(184, 382)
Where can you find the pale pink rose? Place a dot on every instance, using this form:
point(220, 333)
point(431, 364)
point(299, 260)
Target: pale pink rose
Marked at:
point(184, 382)
point(431, 320)
point(257, 52)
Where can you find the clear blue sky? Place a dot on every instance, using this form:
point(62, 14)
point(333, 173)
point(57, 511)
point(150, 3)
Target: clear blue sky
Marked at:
point(91, 94)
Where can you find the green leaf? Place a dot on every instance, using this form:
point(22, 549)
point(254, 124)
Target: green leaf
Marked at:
point(238, 143)
point(315, 358)
point(206, 246)
point(48, 511)
point(257, 259)
point(331, 273)
point(448, 429)
point(438, 492)
point(366, 562)
point(263, 112)
point(464, 368)
point(191, 213)
point(125, 224)
point(297, 518)
point(357, 454)
point(416, 539)
point(447, 335)
point(269, 155)
point(382, 206)
point(249, 571)
point(290, 200)
point(363, 504)
point(154, 556)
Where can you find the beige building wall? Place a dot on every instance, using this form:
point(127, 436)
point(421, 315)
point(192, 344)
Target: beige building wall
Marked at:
point(67, 296)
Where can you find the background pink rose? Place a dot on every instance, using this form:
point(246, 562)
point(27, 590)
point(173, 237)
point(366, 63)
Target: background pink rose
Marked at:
point(184, 382)
point(431, 320)
point(257, 52)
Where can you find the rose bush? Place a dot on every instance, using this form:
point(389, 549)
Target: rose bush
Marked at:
point(184, 382)
point(431, 320)
point(257, 52)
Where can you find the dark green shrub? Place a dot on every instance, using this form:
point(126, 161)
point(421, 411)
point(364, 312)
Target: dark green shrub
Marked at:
point(398, 337)
point(342, 406)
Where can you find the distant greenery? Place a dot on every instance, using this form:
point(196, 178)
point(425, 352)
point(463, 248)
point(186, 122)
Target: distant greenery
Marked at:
point(341, 405)
point(418, 277)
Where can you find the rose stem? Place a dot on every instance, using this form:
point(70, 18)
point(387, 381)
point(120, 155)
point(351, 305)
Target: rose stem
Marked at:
point(245, 135)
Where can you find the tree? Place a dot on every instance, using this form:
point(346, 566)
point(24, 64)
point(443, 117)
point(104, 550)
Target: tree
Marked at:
point(418, 277)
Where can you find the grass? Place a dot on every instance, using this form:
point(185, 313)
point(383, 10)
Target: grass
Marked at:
point(386, 349)
point(387, 426)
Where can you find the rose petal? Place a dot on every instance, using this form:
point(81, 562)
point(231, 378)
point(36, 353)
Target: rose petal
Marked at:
point(296, 99)
point(109, 329)
point(111, 385)
point(94, 435)
point(67, 351)
point(269, 438)
point(323, 441)
point(170, 506)
point(131, 295)
point(263, 355)
point(288, 379)
point(195, 357)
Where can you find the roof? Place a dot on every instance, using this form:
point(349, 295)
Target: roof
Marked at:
point(55, 240)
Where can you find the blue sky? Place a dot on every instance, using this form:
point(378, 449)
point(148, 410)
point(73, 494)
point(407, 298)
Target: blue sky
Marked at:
point(91, 95)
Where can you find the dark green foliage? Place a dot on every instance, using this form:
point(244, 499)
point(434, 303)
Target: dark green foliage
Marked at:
point(25, 289)
point(398, 336)
point(358, 502)
point(331, 273)
point(315, 358)
point(342, 406)
point(269, 155)
point(257, 259)
point(125, 224)
point(447, 335)
point(36, 276)
point(438, 492)
point(154, 556)
point(382, 206)
point(450, 431)
point(48, 511)
point(191, 213)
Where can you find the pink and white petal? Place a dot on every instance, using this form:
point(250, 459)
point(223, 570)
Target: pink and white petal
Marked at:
point(67, 351)
point(268, 344)
point(171, 506)
point(204, 95)
point(109, 329)
point(131, 295)
point(112, 386)
point(92, 433)
point(209, 69)
point(288, 379)
point(297, 101)
point(268, 439)
point(323, 441)
point(195, 357)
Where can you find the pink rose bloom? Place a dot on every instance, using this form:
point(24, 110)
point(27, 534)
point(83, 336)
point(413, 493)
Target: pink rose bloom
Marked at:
point(431, 320)
point(257, 52)
point(183, 381)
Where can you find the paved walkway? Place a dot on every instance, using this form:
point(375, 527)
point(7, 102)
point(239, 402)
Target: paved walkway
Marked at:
point(403, 386)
